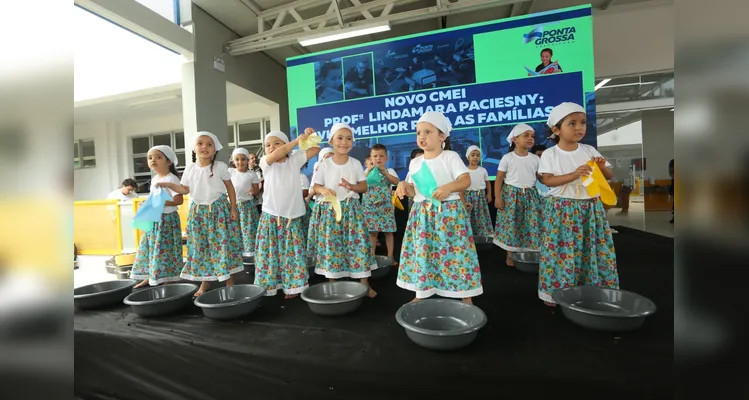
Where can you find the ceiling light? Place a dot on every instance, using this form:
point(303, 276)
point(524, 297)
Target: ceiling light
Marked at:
point(600, 84)
point(345, 33)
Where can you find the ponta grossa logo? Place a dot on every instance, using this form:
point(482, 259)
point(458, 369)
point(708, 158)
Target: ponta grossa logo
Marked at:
point(540, 36)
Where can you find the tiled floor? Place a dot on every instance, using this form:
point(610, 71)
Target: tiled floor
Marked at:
point(637, 218)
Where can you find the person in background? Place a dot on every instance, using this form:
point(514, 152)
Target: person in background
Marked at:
point(159, 256)
point(126, 192)
point(414, 153)
point(671, 188)
point(479, 194)
point(304, 181)
point(518, 227)
point(253, 165)
point(214, 238)
point(577, 247)
point(379, 210)
point(538, 149)
point(438, 255)
point(246, 185)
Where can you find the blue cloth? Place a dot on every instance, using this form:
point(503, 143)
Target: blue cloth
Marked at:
point(425, 182)
point(151, 209)
point(542, 189)
point(375, 177)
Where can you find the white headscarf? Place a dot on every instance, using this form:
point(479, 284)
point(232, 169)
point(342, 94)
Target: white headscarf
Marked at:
point(439, 120)
point(518, 130)
point(471, 148)
point(213, 137)
point(337, 127)
point(562, 110)
point(240, 150)
point(168, 152)
point(323, 152)
point(279, 135)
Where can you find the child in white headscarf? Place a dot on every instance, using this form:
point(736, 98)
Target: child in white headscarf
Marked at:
point(340, 241)
point(280, 255)
point(214, 243)
point(518, 203)
point(246, 184)
point(479, 194)
point(577, 248)
point(159, 257)
point(438, 255)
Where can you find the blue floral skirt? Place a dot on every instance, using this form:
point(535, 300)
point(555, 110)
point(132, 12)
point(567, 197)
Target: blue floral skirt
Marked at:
point(159, 257)
point(577, 248)
point(481, 220)
point(518, 227)
point(280, 259)
point(248, 218)
point(438, 255)
point(214, 243)
point(341, 249)
point(379, 211)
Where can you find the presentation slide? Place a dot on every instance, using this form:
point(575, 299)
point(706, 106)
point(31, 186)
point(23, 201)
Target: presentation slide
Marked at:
point(485, 78)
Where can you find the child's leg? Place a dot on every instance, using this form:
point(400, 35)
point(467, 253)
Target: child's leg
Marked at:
point(143, 283)
point(509, 261)
point(390, 243)
point(203, 288)
point(365, 281)
point(230, 281)
point(373, 240)
point(468, 300)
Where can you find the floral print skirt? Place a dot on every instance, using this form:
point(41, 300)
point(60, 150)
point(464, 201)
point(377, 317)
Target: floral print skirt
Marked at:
point(438, 255)
point(577, 248)
point(379, 212)
point(159, 257)
point(341, 248)
point(248, 218)
point(280, 259)
point(214, 243)
point(481, 220)
point(518, 226)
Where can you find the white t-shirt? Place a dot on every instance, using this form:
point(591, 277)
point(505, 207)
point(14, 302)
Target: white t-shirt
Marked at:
point(171, 178)
point(446, 168)
point(559, 162)
point(329, 175)
point(204, 188)
point(304, 181)
point(283, 191)
point(259, 174)
point(117, 195)
point(519, 171)
point(242, 182)
point(479, 176)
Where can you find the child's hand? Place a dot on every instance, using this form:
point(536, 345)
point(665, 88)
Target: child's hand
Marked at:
point(499, 204)
point(600, 161)
point(583, 170)
point(440, 193)
point(402, 189)
point(166, 185)
point(382, 168)
point(325, 192)
point(306, 134)
point(234, 214)
point(345, 184)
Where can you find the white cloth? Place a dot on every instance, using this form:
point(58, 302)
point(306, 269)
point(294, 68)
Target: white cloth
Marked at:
point(323, 152)
point(204, 188)
point(168, 152)
point(304, 181)
point(283, 192)
point(259, 173)
point(439, 120)
point(213, 137)
point(337, 127)
point(557, 162)
point(471, 148)
point(518, 130)
point(279, 135)
point(171, 178)
point(117, 195)
point(519, 171)
point(240, 150)
point(329, 175)
point(479, 176)
point(562, 110)
point(243, 182)
point(446, 168)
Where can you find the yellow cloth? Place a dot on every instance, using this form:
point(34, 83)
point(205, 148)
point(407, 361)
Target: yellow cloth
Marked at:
point(596, 184)
point(335, 204)
point(397, 202)
point(312, 141)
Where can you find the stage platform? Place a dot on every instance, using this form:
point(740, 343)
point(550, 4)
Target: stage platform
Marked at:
point(283, 351)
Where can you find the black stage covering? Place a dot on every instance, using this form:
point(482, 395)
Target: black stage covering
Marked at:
point(284, 351)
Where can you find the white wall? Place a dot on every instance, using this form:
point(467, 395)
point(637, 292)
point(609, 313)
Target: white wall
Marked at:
point(657, 142)
point(113, 146)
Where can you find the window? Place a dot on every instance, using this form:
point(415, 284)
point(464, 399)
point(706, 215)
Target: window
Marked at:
point(249, 135)
point(140, 146)
point(84, 154)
